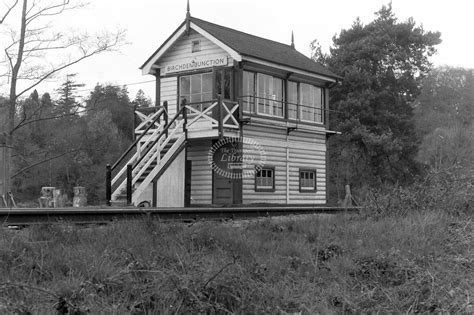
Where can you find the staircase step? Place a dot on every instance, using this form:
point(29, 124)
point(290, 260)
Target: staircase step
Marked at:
point(149, 150)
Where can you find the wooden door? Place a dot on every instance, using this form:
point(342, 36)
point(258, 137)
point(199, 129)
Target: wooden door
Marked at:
point(224, 176)
point(222, 181)
point(223, 192)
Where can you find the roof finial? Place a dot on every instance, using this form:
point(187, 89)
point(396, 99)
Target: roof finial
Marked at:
point(188, 18)
point(292, 40)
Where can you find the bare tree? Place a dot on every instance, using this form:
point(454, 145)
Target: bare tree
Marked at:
point(37, 52)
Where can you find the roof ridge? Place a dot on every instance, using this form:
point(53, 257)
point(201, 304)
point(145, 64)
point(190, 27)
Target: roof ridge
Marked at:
point(242, 32)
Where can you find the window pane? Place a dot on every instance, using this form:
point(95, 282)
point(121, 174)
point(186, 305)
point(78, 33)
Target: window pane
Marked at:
point(195, 84)
point(226, 85)
point(307, 101)
point(196, 88)
point(261, 93)
point(292, 100)
point(184, 86)
point(318, 97)
point(248, 92)
point(264, 179)
point(207, 97)
point(277, 96)
point(195, 98)
point(263, 82)
point(207, 83)
point(308, 180)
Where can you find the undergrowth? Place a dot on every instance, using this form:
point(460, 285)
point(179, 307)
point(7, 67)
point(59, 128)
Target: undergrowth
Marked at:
point(449, 191)
point(420, 262)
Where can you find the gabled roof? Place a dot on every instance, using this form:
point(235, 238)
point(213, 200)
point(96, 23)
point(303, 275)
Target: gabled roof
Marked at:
point(253, 47)
point(261, 48)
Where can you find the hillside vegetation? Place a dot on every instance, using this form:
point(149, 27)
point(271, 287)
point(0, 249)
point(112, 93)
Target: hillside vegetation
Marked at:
point(418, 262)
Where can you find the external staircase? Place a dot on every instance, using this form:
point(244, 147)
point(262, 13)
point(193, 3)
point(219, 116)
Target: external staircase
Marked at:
point(159, 140)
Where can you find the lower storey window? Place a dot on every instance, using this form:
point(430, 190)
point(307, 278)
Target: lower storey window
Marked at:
point(265, 179)
point(307, 180)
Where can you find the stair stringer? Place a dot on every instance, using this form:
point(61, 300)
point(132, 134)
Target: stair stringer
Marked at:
point(140, 146)
point(164, 162)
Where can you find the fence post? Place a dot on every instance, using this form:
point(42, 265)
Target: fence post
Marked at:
point(155, 194)
point(134, 134)
point(185, 114)
point(219, 116)
point(347, 203)
point(108, 185)
point(129, 184)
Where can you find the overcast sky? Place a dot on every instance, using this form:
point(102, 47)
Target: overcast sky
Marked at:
point(150, 22)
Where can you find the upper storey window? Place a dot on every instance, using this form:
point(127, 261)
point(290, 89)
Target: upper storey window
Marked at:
point(269, 95)
point(311, 101)
point(195, 88)
point(305, 102)
point(195, 46)
point(264, 95)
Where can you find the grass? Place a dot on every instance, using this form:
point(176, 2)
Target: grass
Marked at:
point(421, 262)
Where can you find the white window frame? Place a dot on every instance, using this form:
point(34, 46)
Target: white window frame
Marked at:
point(271, 96)
point(195, 46)
point(315, 106)
point(249, 98)
point(191, 88)
point(304, 181)
point(265, 188)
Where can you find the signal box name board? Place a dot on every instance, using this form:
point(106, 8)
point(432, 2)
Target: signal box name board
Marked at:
point(197, 63)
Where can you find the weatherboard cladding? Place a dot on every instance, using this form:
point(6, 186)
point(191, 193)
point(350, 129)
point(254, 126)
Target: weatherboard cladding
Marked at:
point(287, 154)
point(180, 51)
point(256, 47)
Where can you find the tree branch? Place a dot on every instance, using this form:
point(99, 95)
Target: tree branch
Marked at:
point(27, 121)
point(41, 12)
point(8, 11)
point(38, 48)
point(26, 168)
point(101, 47)
point(44, 12)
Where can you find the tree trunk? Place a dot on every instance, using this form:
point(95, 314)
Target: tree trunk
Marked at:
point(12, 106)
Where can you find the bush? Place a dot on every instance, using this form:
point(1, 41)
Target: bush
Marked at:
point(446, 191)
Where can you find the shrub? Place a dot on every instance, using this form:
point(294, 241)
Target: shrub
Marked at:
point(446, 191)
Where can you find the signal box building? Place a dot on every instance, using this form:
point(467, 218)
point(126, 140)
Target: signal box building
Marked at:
point(239, 120)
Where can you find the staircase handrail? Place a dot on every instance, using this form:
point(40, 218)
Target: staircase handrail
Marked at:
point(165, 130)
point(130, 148)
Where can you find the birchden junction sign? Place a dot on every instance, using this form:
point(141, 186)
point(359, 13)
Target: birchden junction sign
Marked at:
point(197, 63)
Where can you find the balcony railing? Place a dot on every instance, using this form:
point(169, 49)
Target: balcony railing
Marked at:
point(284, 110)
point(214, 114)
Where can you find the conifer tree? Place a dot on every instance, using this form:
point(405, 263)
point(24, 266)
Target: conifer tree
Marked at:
point(382, 64)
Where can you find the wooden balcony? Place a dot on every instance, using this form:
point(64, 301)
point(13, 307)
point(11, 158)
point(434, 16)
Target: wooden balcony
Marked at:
point(212, 119)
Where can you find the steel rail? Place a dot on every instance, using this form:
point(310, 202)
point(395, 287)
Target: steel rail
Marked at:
point(28, 216)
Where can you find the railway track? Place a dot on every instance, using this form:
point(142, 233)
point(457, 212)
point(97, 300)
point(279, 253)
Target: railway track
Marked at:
point(98, 215)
